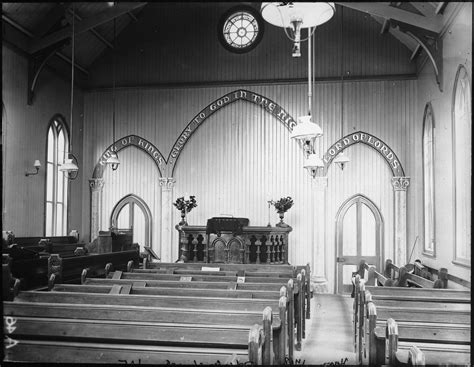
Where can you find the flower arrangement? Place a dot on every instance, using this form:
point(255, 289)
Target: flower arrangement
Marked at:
point(185, 204)
point(283, 205)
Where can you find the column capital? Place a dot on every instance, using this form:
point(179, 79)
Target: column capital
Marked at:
point(400, 183)
point(167, 183)
point(96, 184)
point(320, 182)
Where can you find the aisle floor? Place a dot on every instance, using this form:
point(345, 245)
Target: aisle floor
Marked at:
point(329, 336)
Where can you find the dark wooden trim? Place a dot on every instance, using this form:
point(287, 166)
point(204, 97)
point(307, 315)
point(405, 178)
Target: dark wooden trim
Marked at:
point(288, 81)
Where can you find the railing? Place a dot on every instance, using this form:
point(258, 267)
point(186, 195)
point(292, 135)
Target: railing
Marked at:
point(255, 245)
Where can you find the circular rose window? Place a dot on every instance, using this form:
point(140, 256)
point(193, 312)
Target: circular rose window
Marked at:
point(240, 29)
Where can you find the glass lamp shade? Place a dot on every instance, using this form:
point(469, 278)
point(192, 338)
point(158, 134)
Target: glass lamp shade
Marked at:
point(341, 160)
point(37, 164)
point(285, 14)
point(306, 130)
point(313, 162)
point(69, 166)
point(113, 160)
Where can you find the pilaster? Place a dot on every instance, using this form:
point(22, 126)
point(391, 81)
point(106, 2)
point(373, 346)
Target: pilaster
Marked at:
point(167, 185)
point(96, 186)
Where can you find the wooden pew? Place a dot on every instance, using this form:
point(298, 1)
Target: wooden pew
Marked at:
point(440, 336)
point(99, 333)
point(140, 288)
point(298, 293)
point(249, 270)
point(434, 300)
point(173, 302)
point(36, 272)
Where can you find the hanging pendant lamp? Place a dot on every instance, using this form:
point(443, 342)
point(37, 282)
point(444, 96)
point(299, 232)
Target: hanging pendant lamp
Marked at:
point(295, 16)
point(113, 160)
point(69, 167)
point(341, 159)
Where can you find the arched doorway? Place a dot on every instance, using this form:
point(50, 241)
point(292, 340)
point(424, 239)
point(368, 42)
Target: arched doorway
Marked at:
point(131, 212)
point(359, 235)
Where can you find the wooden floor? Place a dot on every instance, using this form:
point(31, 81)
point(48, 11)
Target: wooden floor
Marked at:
point(329, 337)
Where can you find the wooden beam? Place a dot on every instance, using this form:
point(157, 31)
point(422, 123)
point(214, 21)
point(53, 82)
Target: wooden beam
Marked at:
point(50, 19)
point(424, 8)
point(433, 24)
point(131, 15)
point(93, 31)
point(415, 52)
point(440, 8)
point(87, 24)
point(31, 35)
point(385, 26)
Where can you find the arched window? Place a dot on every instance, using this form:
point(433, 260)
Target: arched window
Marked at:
point(428, 181)
point(56, 181)
point(461, 120)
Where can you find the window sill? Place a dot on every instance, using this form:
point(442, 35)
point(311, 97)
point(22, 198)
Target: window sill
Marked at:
point(462, 263)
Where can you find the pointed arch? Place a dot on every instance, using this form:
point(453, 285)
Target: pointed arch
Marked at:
point(126, 142)
point(368, 139)
point(132, 199)
point(240, 94)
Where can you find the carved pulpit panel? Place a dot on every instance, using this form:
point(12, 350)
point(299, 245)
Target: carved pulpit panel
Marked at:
point(235, 246)
point(219, 250)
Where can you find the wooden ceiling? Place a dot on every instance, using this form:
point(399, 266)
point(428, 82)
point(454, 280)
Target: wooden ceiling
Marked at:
point(43, 30)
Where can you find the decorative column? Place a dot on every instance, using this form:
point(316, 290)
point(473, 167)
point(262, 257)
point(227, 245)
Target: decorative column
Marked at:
point(96, 185)
point(318, 267)
point(167, 253)
point(400, 186)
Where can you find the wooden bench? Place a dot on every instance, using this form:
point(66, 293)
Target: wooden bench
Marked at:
point(102, 333)
point(413, 299)
point(249, 270)
point(170, 302)
point(438, 334)
point(37, 272)
point(298, 293)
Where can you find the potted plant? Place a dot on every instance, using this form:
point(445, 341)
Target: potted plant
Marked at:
point(185, 205)
point(281, 206)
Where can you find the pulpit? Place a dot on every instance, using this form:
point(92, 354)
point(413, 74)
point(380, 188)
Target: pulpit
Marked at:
point(233, 241)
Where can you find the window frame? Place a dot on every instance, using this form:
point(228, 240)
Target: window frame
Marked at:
point(428, 116)
point(222, 21)
point(60, 120)
point(461, 74)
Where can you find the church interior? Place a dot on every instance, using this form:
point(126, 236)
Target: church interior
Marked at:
point(237, 183)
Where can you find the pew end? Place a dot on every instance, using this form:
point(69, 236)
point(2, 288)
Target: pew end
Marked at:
point(412, 357)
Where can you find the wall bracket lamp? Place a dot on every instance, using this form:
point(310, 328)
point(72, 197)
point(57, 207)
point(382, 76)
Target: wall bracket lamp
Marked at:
point(37, 166)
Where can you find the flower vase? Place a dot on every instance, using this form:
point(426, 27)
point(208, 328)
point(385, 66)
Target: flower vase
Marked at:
point(183, 219)
point(281, 223)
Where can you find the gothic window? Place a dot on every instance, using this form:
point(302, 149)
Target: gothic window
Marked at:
point(428, 181)
point(462, 130)
point(56, 181)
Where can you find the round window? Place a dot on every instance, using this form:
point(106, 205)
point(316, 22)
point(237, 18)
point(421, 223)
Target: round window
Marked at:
point(240, 29)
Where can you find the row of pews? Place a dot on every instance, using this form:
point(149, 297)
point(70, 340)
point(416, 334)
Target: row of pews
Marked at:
point(164, 313)
point(403, 318)
point(34, 260)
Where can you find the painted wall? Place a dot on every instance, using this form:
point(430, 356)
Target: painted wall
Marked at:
point(457, 50)
point(179, 44)
point(241, 155)
point(24, 133)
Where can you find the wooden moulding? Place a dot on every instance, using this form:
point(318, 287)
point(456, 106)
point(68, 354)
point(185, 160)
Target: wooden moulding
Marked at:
point(372, 312)
point(291, 318)
point(280, 358)
point(256, 341)
point(267, 330)
point(392, 335)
